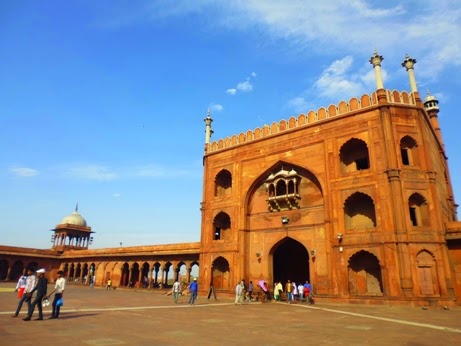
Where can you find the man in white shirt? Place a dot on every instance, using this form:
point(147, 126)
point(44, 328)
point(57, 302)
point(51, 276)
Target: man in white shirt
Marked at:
point(176, 290)
point(58, 291)
point(30, 284)
point(238, 294)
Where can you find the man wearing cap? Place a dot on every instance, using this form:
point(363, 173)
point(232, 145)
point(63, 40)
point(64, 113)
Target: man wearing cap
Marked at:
point(30, 283)
point(193, 287)
point(41, 293)
point(59, 289)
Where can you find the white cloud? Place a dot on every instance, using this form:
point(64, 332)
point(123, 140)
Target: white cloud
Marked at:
point(91, 172)
point(337, 81)
point(214, 107)
point(244, 86)
point(23, 171)
point(429, 30)
point(299, 104)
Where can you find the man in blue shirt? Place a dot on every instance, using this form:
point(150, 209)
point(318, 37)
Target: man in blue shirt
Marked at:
point(193, 288)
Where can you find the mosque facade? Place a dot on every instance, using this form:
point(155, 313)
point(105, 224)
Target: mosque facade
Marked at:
point(355, 198)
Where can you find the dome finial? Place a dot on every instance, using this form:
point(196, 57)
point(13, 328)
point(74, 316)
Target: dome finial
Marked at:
point(76, 207)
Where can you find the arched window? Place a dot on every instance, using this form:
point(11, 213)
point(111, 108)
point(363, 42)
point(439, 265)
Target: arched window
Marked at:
point(223, 183)
point(418, 209)
point(409, 151)
point(364, 274)
point(359, 212)
point(220, 274)
point(354, 156)
point(221, 226)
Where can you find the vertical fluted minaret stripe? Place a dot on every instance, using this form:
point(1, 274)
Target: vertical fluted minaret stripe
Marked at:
point(408, 63)
point(208, 130)
point(375, 60)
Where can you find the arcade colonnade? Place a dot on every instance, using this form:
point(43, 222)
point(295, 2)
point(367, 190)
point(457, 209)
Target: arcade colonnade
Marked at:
point(139, 274)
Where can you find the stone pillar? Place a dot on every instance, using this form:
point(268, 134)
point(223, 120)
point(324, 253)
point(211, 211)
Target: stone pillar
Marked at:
point(208, 131)
point(409, 63)
point(139, 283)
point(375, 60)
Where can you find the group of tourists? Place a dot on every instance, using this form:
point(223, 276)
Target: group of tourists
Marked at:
point(293, 292)
point(177, 290)
point(38, 284)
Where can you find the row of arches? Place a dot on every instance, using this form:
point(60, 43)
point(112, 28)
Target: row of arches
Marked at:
point(14, 271)
point(353, 155)
point(131, 274)
point(291, 261)
point(359, 213)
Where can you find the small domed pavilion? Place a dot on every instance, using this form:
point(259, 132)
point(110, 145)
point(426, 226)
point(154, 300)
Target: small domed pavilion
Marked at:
point(72, 233)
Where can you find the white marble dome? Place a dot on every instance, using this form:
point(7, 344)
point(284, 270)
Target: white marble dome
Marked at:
point(74, 219)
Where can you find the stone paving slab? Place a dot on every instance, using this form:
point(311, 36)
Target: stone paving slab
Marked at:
point(135, 317)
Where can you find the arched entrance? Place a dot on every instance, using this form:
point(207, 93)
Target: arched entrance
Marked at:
point(290, 261)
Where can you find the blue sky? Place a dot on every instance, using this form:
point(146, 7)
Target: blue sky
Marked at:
point(102, 102)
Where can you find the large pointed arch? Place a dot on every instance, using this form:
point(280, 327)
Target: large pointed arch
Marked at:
point(290, 261)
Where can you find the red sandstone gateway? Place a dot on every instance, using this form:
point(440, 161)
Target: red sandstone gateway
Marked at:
point(355, 197)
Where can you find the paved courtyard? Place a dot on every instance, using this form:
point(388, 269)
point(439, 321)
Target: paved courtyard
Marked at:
point(139, 317)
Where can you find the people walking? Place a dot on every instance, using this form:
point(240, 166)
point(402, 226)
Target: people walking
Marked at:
point(58, 291)
point(41, 288)
point(301, 292)
point(238, 293)
point(295, 291)
point(21, 285)
point(250, 291)
point(176, 290)
point(193, 288)
point(26, 297)
point(278, 290)
point(289, 290)
point(308, 292)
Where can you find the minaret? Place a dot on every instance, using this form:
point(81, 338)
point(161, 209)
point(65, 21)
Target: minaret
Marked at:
point(375, 60)
point(208, 130)
point(431, 104)
point(408, 63)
